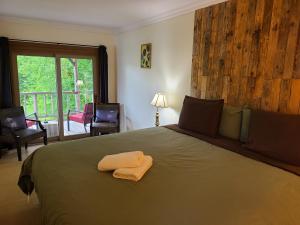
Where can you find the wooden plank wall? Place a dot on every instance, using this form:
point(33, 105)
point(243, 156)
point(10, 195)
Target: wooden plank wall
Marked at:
point(248, 52)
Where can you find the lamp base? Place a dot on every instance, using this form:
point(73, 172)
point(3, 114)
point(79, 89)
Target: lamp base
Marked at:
point(157, 119)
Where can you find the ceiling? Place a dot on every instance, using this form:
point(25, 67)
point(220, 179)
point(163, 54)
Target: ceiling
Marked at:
point(109, 14)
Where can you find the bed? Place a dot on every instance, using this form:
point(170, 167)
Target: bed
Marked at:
point(192, 182)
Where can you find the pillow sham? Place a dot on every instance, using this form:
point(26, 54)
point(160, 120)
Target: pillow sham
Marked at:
point(106, 115)
point(15, 123)
point(246, 114)
point(231, 120)
point(275, 135)
point(201, 115)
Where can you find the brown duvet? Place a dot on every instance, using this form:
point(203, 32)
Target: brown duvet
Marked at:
point(191, 182)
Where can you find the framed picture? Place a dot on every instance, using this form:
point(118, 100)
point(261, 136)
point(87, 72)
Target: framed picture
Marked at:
point(146, 55)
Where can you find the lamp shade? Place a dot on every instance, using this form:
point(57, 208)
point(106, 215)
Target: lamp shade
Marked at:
point(159, 101)
point(79, 82)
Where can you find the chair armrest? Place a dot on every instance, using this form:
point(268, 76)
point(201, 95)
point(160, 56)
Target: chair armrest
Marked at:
point(39, 123)
point(33, 120)
point(87, 113)
point(73, 111)
point(32, 114)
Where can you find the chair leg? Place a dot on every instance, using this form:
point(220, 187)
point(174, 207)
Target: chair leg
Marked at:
point(68, 123)
point(19, 151)
point(93, 131)
point(45, 140)
point(26, 146)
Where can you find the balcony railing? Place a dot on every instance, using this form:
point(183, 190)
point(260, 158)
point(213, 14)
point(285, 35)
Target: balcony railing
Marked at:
point(45, 103)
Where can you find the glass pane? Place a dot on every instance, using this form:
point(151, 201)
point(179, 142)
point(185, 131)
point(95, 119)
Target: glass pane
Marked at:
point(77, 92)
point(38, 95)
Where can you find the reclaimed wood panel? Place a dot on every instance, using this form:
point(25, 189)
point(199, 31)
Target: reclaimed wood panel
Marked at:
point(248, 53)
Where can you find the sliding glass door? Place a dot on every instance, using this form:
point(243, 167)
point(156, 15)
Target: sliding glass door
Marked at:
point(58, 91)
point(38, 91)
point(77, 94)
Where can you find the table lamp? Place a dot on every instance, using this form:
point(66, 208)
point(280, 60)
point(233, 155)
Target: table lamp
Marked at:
point(79, 83)
point(159, 101)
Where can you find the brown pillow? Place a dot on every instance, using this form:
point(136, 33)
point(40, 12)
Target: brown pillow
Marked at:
point(201, 115)
point(275, 135)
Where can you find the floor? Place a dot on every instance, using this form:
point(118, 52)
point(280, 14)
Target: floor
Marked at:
point(15, 209)
point(75, 128)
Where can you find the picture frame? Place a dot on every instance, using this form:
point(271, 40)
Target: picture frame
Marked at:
point(146, 54)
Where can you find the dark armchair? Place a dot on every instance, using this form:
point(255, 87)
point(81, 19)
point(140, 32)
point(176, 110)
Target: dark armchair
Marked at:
point(106, 119)
point(14, 130)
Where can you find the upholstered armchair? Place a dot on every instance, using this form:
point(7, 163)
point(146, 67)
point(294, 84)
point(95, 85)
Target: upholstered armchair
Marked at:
point(106, 119)
point(14, 130)
point(81, 117)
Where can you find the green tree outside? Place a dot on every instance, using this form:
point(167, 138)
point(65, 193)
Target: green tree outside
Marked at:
point(38, 74)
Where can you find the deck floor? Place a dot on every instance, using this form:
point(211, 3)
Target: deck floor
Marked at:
point(75, 128)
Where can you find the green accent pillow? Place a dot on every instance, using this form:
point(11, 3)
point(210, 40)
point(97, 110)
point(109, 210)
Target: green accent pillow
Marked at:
point(231, 120)
point(245, 124)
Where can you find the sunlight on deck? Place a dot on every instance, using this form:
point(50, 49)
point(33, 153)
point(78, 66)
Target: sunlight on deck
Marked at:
point(75, 128)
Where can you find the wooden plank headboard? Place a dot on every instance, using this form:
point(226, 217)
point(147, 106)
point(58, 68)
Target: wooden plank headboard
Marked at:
point(248, 52)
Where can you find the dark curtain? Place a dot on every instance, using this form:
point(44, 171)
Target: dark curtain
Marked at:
point(5, 75)
point(103, 73)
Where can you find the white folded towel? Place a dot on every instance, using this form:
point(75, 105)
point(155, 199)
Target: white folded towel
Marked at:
point(136, 173)
point(121, 160)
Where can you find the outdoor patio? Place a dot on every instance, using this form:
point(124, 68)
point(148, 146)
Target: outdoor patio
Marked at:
point(44, 100)
point(75, 128)
point(44, 106)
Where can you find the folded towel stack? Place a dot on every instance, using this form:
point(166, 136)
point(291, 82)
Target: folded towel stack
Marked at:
point(127, 165)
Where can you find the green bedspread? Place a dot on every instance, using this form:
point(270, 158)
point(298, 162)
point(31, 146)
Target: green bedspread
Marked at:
point(191, 183)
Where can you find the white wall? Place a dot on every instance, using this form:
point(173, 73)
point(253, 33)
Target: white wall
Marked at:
point(25, 29)
point(172, 42)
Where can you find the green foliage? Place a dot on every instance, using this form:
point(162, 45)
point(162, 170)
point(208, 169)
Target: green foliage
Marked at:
point(38, 74)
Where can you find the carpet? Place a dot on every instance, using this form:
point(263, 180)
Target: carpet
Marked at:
point(14, 206)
